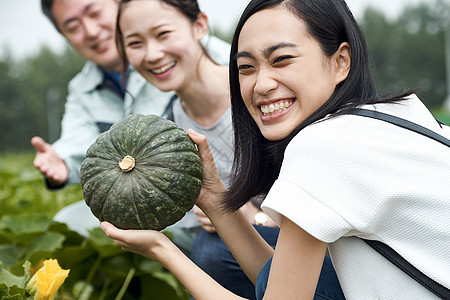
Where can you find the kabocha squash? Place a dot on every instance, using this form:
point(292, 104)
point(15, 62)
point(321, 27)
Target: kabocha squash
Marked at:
point(143, 173)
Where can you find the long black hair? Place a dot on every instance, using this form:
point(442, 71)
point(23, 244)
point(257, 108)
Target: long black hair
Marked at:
point(257, 160)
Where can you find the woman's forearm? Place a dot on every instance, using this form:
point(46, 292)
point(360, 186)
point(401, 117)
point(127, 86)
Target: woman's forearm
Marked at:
point(247, 246)
point(200, 285)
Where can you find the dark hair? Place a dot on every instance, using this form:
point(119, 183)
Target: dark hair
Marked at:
point(46, 6)
point(188, 8)
point(257, 161)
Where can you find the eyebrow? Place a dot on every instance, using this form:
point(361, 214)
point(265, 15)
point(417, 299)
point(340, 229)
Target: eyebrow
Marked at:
point(151, 29)
point(266, 52)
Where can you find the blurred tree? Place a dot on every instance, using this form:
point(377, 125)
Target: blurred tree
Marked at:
point(406, 52)
point(24, 87)
point(15, 116)
point(409, 51)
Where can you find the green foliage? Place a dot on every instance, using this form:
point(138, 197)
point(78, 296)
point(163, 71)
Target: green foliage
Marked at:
point(98, 268)
point(24, 87)
point(409, 52)
point(22, 189)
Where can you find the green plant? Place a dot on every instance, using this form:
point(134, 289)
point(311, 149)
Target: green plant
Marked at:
point(98, 268)
point(143, 173)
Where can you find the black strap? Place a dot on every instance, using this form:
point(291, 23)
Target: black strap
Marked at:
point(389, 253)
point(398, 260)
point(402, 123)
point(168, 111)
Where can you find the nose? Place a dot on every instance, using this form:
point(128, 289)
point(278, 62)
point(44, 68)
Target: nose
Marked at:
point(265, 83)
point(154, 52)
point(91, 27)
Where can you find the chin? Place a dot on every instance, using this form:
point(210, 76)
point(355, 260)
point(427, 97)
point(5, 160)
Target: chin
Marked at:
point(275, 135)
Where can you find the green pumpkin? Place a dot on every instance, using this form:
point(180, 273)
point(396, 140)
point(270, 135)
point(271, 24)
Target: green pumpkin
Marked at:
point(143, 173)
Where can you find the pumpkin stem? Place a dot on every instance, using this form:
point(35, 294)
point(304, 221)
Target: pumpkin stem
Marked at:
point(127, 164)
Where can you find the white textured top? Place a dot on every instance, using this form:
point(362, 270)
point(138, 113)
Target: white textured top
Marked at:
point(352, 176)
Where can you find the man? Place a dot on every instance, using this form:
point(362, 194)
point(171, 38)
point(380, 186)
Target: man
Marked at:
point(96, 96)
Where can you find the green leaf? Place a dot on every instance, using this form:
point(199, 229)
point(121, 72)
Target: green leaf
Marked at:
point(72, 255)
point(168, 279)
point(26, 223)
point(10, 254)
point(103, 244)
point(9, 279)
point(72, 237)
point(153, 288)
point(150, 266)
point(47, 242)
point(4, 290)
point(17, 293)
point(117, 267)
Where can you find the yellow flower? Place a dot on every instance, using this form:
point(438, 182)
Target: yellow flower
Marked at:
point(47, 280)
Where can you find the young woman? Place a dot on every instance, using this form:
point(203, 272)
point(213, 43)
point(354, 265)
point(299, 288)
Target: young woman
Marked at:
point(161, 40)
point(299, 69)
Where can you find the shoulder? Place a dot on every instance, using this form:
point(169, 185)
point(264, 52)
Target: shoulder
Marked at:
point(218, 49)
point(87, 79)
point(328, 134)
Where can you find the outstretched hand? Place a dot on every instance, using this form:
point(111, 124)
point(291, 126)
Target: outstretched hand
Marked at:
point(48, 161)
point(147, 243)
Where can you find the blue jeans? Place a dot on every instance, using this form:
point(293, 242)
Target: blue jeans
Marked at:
point(328, 287)
point(212, 256)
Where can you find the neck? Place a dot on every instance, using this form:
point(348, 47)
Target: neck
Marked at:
point(207, 97)
point(116, 67)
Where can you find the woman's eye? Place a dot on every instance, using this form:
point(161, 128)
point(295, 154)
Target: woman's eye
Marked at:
point(163, 33)
point(133, 44)
point(282, 58)
point(244, 67)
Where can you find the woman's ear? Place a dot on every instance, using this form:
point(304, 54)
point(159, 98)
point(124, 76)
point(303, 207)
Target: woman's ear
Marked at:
point(201, 26)
point(342, 60)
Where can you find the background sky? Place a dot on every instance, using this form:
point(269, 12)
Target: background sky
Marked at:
point(24, 29)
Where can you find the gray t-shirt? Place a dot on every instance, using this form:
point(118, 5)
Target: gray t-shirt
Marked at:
point(220, 139)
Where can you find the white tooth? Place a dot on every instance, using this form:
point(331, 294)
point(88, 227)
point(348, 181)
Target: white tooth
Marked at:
point(163, 69)
point(281, 105)
point(277, 107)
point(271, 108)
point(287, 104)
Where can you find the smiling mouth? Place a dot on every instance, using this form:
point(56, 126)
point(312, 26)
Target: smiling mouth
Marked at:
point(275, 108)
point(163, 69)
point(99, 44)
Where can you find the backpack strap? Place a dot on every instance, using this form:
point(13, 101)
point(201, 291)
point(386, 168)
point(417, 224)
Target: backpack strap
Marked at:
point(402, 123)
point(389, 253)
point(168, 111)
point(398, 260)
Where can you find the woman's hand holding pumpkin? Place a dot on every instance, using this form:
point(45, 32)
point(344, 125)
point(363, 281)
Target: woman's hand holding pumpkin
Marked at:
point(210, 198)
point(148, 243)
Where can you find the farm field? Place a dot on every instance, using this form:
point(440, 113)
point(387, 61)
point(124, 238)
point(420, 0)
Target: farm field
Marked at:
point(98, 268)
